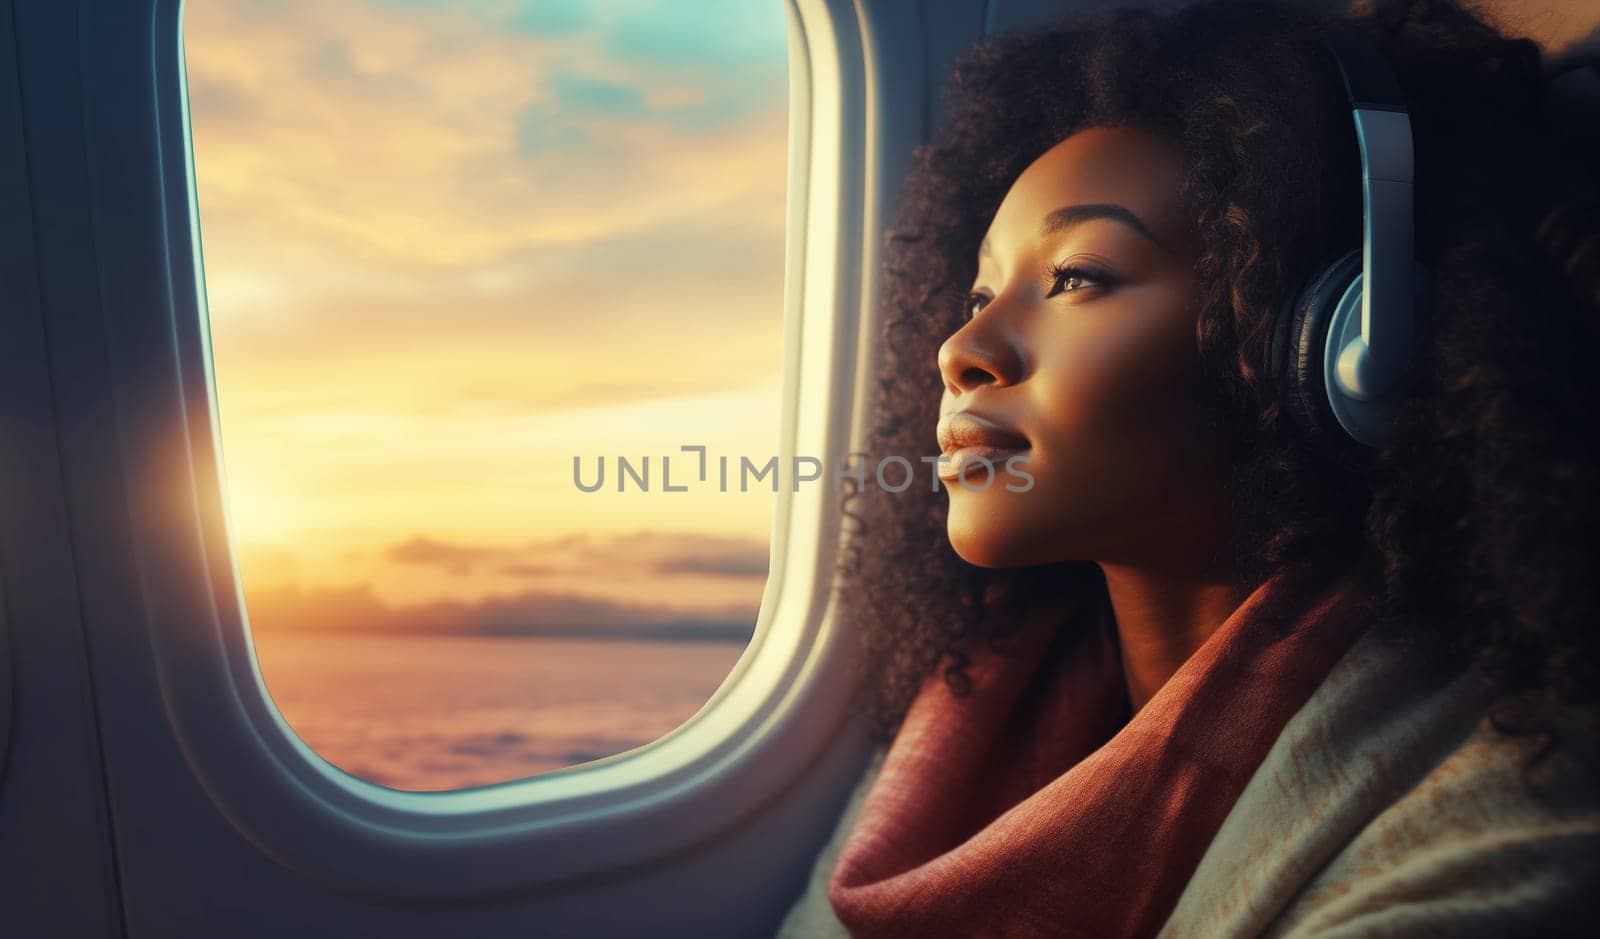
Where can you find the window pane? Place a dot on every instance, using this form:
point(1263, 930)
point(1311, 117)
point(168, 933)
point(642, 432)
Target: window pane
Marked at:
point(450, 247)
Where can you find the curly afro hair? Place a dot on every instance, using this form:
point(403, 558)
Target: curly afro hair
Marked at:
point(1476, 520)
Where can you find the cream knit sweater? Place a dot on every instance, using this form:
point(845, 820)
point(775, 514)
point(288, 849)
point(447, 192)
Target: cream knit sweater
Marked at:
point(1387, 807)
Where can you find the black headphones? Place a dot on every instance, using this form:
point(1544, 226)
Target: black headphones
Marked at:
point(1342, 348)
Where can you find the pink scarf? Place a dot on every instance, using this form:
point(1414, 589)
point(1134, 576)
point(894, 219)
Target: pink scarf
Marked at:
point(1035, 807)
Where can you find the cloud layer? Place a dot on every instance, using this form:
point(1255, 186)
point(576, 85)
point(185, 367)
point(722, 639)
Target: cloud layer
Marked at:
point(680, 586)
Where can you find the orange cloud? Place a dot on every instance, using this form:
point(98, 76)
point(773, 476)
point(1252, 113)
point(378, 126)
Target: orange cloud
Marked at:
point(328, 611)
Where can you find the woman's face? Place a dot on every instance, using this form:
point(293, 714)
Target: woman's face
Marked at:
point(1093, 376)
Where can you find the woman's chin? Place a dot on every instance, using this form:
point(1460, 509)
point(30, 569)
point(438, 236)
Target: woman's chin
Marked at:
point(1005, 529)
point(983, 542)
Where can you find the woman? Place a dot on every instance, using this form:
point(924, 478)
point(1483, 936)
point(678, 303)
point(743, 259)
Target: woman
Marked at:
point(1212, 673)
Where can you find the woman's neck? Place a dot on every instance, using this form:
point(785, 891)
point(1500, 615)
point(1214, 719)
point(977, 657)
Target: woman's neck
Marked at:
point(1163, 616)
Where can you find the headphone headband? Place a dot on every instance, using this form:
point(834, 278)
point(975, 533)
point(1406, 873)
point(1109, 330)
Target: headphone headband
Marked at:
point(1365, 367)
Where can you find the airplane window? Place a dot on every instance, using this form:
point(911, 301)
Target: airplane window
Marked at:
point(467, 260)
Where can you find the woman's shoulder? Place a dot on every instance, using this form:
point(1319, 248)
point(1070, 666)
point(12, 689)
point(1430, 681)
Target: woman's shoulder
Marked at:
point(1470, 850)
point(1392, 806)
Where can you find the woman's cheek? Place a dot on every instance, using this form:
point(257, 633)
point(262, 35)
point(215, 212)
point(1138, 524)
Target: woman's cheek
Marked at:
point(1110, 405)
point(1091, 384)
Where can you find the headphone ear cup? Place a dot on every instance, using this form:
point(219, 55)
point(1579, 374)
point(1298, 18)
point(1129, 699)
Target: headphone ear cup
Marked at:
point(1300, 338)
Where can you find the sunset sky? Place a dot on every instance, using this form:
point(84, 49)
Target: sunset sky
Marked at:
point(451, 245)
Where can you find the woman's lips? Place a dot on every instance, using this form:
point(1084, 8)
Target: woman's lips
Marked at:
point(997, 456)
point(965, 437)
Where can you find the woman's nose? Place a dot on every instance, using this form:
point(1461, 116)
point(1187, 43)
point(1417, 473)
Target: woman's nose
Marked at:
point(981, 352)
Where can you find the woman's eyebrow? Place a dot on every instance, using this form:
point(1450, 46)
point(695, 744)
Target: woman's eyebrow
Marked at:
point(1068, 216)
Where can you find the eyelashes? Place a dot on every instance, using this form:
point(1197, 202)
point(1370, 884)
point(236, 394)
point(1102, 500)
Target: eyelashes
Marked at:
point(1059, 275)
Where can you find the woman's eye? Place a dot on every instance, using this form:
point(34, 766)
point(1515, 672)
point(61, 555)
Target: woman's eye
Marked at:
point(1079, 277)
point(1064, 279)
